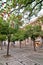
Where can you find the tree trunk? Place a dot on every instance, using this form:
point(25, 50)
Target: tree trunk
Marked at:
point(34, 45)
point(8, 45)
point(1, 44)
point(42, 43)
point(20, 44)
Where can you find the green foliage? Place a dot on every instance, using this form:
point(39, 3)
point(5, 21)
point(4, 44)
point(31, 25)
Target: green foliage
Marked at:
point(37, 0)
point(20, 2)
point(5, 29)
point(28, 4)
point(35, 31)
point(19, 35)
point(40, 19)
point(13, 3)
point(1, 19)
point(3, 37)
point(28, 29)
point(16, 20)
point(32, 31)
point(41, 34)
point(33, 6)
point(10, 26)
point(36, 28)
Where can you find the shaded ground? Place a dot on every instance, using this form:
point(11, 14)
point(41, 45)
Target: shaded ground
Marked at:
point(23, 56)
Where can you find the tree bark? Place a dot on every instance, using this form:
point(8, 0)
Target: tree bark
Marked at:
point(8, 45)
point(1, 45)
point(34, 45)
point(42, 43)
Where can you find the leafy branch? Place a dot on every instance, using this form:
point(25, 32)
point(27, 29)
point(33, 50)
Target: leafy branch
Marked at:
point(35, 6)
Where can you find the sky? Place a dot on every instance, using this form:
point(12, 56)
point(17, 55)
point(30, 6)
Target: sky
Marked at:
point(40, 13)
point(4, 0)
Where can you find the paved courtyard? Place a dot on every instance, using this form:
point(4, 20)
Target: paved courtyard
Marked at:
point(22, 56)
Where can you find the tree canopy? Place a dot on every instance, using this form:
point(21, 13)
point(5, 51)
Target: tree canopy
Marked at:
point(32, 6)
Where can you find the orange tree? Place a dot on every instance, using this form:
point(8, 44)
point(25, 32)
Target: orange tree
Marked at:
point(7, 30)
point(9, 26)
point(33, 32)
